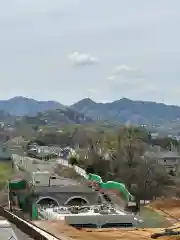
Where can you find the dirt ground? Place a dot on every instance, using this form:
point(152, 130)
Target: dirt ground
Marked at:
point(58, 228)
point(169, 208)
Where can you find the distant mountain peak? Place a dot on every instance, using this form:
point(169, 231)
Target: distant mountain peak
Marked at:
point(87, 100)
point(40, 112)
point(122, 100)
point(18, 98)
point(125, 99)
point(20, 106)
point(126, 110)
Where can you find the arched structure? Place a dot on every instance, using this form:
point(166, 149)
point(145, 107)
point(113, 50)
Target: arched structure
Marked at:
point(47, 200)
point(77, 200)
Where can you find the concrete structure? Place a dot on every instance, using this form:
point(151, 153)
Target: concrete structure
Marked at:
point(90, 216)
point(170, 159)
point(44, 150)
point(47, 187)
point(154, 135)
point(63, 195)
point(29, 164)
point(66, 189)
point(60, 191)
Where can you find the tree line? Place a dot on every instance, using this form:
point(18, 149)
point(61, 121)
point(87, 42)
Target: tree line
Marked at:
point(125, 162)
point(120, 155)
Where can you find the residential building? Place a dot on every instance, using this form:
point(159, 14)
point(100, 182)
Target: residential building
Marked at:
point(5, 154)
point(170, 159)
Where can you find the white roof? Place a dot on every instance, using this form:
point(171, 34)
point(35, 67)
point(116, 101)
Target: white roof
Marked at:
point(6, 231)
point(4, 223)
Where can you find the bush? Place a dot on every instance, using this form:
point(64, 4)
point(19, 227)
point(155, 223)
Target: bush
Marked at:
point(73, 161)
point(6, 171)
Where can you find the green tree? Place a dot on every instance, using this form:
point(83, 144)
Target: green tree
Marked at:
point(73, 160)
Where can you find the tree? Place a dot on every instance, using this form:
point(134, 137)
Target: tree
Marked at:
point(143, 176)
point(79, 137)
point(152, 179)
point(61, 139)
point(73, 160)
point(35, 128)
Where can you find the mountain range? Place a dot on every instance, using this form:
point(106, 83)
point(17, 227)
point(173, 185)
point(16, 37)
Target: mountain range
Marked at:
point(123, 110)
point(34, 112)
point(129, 111)
point(20, 106)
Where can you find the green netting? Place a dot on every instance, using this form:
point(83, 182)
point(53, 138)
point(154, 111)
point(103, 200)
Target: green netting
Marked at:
point(116, 186)
point(22, 199)
point(111, 185)
point(95, 178)
point(17, 184)
point(34, 212)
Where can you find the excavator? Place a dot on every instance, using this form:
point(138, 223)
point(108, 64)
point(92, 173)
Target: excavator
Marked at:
point(166, 232)
point(173, 231)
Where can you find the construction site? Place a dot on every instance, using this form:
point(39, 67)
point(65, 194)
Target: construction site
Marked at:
point(55, 207)
point(168, 208)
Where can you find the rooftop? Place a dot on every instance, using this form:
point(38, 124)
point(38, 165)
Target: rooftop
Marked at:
point(158, 152)
point(10, 231)
point(4, 152)
point(62, 188)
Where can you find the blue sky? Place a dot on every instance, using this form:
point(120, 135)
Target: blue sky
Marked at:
point(65, 50)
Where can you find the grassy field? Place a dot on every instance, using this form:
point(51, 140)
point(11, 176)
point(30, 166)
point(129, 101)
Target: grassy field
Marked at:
point(152, 219)
point(6, 172)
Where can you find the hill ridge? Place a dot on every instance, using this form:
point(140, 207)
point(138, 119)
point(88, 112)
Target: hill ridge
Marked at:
point(127, 110)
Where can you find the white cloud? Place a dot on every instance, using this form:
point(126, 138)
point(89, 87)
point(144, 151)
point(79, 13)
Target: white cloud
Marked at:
point(79, 59)
point(92, 90)
point(124, 73)
point(124, 68)
point(111, 77)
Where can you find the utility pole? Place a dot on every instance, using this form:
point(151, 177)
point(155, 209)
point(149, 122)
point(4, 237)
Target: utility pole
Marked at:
point(9, 197)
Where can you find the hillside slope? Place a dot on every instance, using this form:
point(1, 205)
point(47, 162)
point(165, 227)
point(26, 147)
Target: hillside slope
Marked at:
point(56, 116)
point(20, 106)
point(126, 110)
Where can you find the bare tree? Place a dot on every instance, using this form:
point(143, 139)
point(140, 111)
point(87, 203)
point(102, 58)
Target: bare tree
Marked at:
point(144, 177)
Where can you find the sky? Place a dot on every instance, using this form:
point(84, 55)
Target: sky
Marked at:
point(66, 50)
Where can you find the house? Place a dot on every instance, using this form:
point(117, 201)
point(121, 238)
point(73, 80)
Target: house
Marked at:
point(5, 154)
point(154, 135)
point(170, 159)
point(68, 152)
